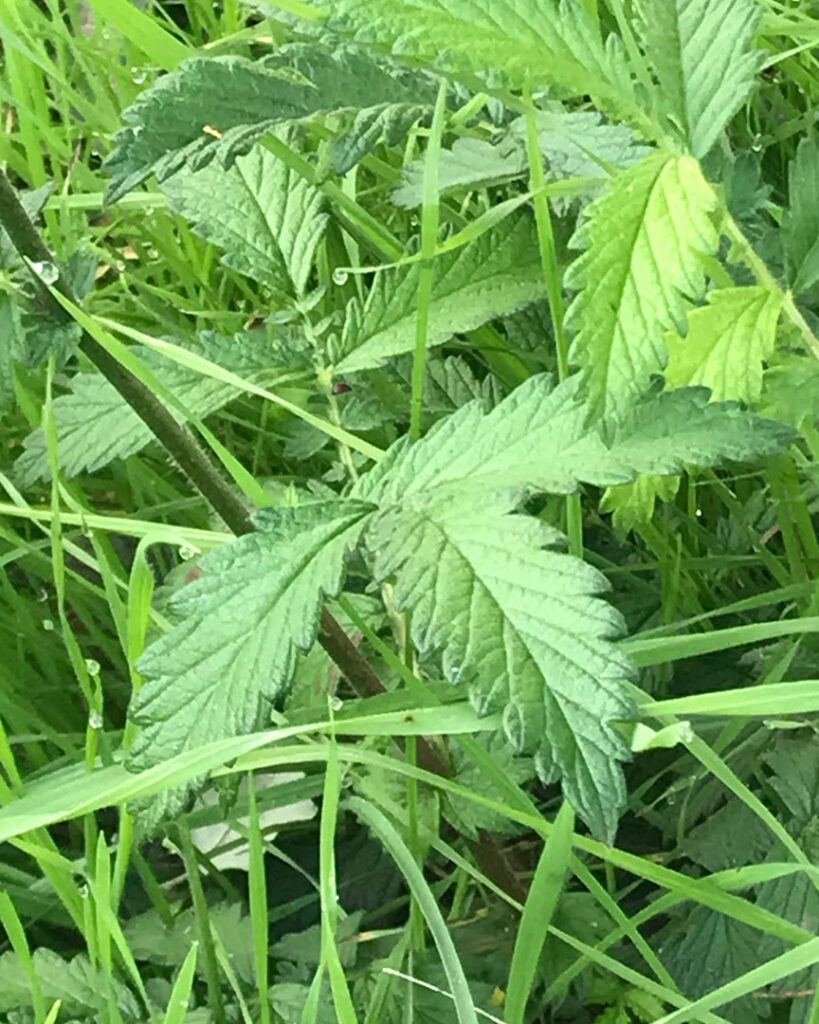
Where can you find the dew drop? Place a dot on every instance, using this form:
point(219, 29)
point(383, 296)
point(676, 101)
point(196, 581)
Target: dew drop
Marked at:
point(84, 891)
point(336, 703)
point(95, 720)
point(756, 144)
point(92, 667)
point(187, 552)
point(340, 276)
point(47, 272)
point(139, 75)
point(48, 625)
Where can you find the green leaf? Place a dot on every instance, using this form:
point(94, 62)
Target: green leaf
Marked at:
point(800, 223)
point(32, 202)
point(710, 950)
point(74, 982)
point(470, 817)
point(264, 217)
point(387, 123)
point(702, 51)
point(791, 390)
point(525, 41)
point(580, 144)
point(795, 763)
point(794, 898)
point(730, 838)
point(632, 505)
point(644, 240)
point(523, 626)
point(727, 343)
point(288, 999)
point(490, 277)
point(10, 333)
point(539, 439)
point(470, 163)
point(224, 104)
point(95, 425)
point(241, 625)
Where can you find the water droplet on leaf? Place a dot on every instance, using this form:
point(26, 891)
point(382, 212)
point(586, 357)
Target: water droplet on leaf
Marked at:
point(340, 276)
point(92, 667)
point(47, 272)
point(95, 720)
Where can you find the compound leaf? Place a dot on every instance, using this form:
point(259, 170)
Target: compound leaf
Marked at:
point(241, 625)
point(703, 54)
point(492, 276)
point(727, 343)
point(520, 622)
point(264, 217)
point(643, 240)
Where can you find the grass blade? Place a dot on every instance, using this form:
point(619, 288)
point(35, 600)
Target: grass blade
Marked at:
point(544, 894)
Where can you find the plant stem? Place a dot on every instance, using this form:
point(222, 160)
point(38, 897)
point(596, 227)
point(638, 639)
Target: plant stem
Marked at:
point(430, 216)
point(760, 271)
point(175, 437)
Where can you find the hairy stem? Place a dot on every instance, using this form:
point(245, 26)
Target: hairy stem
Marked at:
point(175, 437)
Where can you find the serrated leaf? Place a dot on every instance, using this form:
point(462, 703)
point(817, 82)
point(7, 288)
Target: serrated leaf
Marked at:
point(632, 505)
point(95, 425)
point(490, 277)
point(794, 898)
point(727, 343)
point(791, 390)
point(472, 163)
point(241, 625)
point(702, 51)
point(523, 626)
point(580, 144)
point(795, 763)
point(264, 217)
point(74, 982)
point(469, 816)
point(224, 104)
point(449, 383)
point(524, 41)
point(539, 439)
point(731, 838)
point(643, 241)
point(800, 223)
point(388, 123)
point(709, 951)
